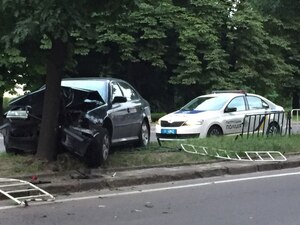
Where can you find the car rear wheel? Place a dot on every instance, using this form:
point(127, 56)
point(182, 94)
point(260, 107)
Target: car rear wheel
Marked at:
point(144, 136)
point(273, 129)
point(214, 131)
point(98, 150)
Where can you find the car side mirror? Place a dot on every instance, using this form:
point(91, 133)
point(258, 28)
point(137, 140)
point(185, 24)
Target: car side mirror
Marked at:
point(230, 109)
point(119, 99)
point(265, 106)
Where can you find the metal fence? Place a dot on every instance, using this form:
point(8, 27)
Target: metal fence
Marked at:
point(295, 121)
point(267, 124)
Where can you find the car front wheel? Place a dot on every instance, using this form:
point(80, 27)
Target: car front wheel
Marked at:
point(99, 148)
point(214, 131)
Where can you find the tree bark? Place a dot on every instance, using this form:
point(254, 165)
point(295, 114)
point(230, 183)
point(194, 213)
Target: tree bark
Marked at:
point(47, 144)
point(1, 107)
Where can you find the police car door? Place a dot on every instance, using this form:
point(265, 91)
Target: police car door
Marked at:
point(257, 108)
point(234, 115)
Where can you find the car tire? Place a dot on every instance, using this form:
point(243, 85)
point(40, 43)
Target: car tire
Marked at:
point(144, 134)
point(273, 129)
point(7, 149)
point(99, 149)
point(11, 150)
point(214, 131)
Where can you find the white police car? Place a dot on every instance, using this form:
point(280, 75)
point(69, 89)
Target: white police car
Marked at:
point(221, 112)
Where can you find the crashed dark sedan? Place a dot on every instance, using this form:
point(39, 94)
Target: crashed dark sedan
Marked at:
point(95, 113)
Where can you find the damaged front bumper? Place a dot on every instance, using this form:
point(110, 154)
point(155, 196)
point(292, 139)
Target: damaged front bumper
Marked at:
point(77, 139)
point(22, 135)
point(22, 122)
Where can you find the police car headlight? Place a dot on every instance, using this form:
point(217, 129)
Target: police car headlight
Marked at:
point(193, 123)
point(158, 122)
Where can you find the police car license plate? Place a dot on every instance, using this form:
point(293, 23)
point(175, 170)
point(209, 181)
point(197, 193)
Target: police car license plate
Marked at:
point(168, 131)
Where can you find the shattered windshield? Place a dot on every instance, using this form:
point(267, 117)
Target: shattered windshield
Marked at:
point(94, 85)
point(206, 103)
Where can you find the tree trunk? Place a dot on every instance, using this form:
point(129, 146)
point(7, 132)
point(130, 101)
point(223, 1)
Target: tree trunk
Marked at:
point(47, 144)
point(1, 106)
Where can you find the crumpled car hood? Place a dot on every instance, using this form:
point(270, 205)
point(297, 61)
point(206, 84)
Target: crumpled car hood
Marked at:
point(24, 118)
point(71, 98)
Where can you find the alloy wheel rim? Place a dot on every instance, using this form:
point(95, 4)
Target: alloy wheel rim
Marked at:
point(145, 134)
point(215, 132)
point(105, 147)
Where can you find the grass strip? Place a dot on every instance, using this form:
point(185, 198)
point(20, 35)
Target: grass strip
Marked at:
point(167, 154)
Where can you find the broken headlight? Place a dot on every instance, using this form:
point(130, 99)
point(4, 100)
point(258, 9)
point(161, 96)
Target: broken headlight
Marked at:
point(17, 114)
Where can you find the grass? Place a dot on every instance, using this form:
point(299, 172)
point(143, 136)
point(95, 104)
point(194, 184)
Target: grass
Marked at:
point(17, 165)
point(168, 154)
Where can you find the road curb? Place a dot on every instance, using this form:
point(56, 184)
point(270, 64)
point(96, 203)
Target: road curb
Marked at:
point(99, 179)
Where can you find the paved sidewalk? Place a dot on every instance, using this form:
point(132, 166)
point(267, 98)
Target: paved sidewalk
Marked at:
point(100, 178)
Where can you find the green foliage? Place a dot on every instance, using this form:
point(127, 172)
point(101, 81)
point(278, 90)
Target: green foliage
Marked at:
point(5, 103)
point(199, 43)
point(283, 25)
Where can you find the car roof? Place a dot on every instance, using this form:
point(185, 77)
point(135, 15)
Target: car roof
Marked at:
point(235, 94)
point(230, 94)
point(223, 94)
point(92, 78)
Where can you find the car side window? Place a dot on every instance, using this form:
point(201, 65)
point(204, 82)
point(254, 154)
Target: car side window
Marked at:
point(256, 103)
point(238, 103)
point(115, 90)
point(128, 92)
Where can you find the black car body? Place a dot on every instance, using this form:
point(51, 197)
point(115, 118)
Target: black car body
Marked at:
point(95, 113)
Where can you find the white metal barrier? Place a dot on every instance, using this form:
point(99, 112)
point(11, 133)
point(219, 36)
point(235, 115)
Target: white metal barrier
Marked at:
point(21, 192)
point(236, 156)
point(295, 123)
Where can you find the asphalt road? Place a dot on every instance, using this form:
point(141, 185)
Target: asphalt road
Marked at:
point(270, 198)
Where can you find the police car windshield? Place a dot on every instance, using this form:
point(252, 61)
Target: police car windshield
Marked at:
point(206, 103)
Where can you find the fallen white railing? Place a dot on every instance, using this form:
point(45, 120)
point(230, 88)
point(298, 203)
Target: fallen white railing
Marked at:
point(22, 192)
point(232, 155)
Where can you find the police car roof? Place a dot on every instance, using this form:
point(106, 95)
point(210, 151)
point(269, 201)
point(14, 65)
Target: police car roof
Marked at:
point(229, 91)
point(229, 94)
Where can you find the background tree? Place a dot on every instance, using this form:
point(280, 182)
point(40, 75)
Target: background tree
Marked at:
point(55, 26)
point(255, 55)
point(10, 73)
point(283, 21)
point(163, 48)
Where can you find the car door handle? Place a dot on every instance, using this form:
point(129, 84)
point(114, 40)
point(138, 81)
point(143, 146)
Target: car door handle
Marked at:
point(128, 110)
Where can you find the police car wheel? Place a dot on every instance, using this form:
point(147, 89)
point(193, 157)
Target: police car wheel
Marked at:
point(273, 129)
point(214, 131)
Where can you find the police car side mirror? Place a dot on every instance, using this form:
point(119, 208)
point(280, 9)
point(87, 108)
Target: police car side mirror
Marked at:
point(265, 106)
point(229, 109)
